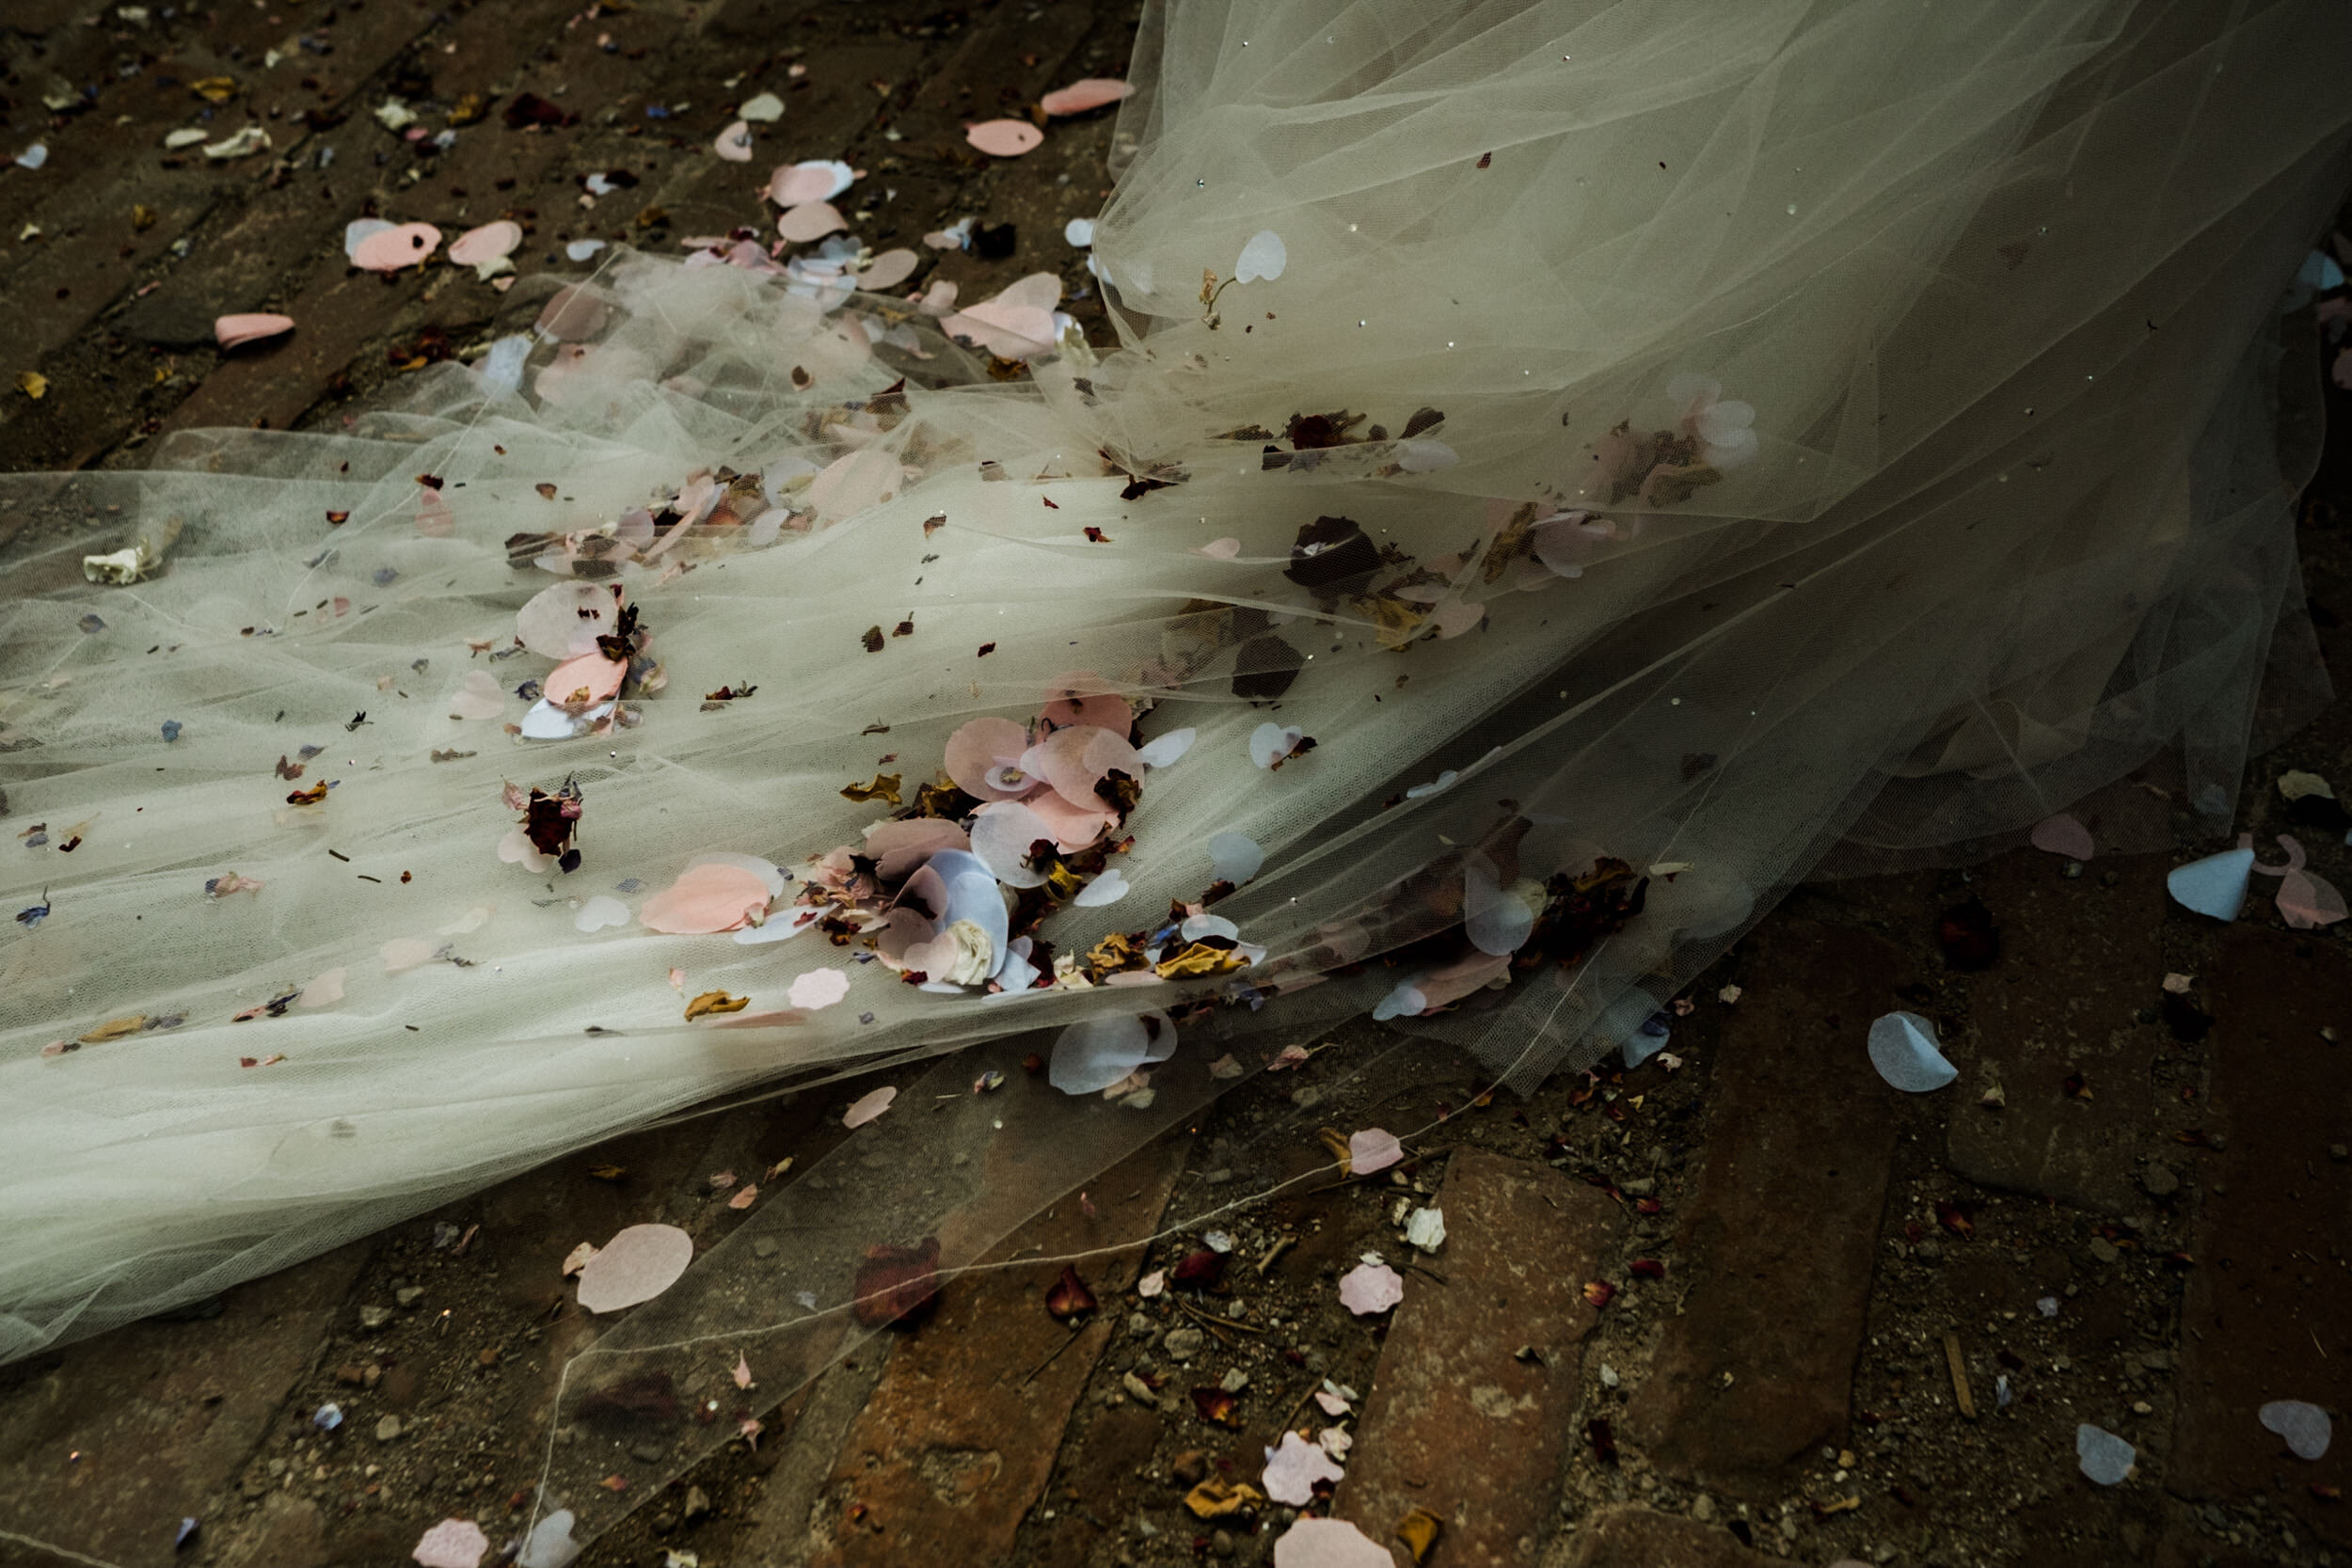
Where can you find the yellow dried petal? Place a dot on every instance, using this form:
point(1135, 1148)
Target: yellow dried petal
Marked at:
point(716, 1002)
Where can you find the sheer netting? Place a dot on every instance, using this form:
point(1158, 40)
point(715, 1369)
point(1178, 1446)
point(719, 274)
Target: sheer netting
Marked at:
point(1566, 469)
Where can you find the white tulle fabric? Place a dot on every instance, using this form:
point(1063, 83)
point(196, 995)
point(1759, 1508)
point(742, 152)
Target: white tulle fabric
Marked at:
point(1969, 313)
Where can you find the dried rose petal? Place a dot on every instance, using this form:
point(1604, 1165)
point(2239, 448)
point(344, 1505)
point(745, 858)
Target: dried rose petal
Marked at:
point(1217, 1407)
point(1647, 1268)
point(1202, 1269)
point(1599, 1292)
point(1070, 1296)
point(896, 1284)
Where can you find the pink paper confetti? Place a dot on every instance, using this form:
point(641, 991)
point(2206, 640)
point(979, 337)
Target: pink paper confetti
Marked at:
point(735, 143)
point(888, 270)
point(1373, 1149)
point(403, 954)
point(324, 991)
point(391, 249)
point(1004, 138)
point(1369, 1287)
point(1292, 1468)
point(705, 899)
point(867, 1106)
point(583, 682)
point(578, 1257)
point(1313, 1543)
point(435, 519)
point(743, 1371)
point(819, 180)
point(819, 988)
point(478, 696)
point(452, 1543)
point(1220, 549)
point(486, 243)
point(810, 220)
point(2306, 901)
point(636, 1265)
point(2063, 835)
point(235, 331)
point(745, 1198)
point(1093, 92)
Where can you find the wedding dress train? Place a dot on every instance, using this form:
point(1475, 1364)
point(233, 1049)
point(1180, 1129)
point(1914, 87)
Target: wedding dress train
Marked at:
point(1567, 467)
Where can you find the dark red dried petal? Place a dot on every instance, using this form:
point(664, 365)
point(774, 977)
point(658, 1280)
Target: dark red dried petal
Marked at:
point(1216, 1406)
point(1599, 1292)
point(1953, 1219)
point(1070, 1296)
point(1968, 937)
point(896, 1285)
point(1647, 1268)
point(1200, 1271)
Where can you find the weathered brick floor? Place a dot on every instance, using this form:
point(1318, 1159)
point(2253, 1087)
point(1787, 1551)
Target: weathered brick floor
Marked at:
point(1838, 1261)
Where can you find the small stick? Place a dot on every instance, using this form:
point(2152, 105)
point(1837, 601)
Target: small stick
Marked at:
point(1275, 1251)
point(1300, 1403)
point(1049, 1360)
point(1959, 1376)
point(1213, 1321)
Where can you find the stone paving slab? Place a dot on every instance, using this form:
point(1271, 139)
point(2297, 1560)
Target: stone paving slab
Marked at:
point(2085, 959)
point(1626, 1537)
point(106, 1445)
point(961, 1434)
point(2268, 1313)
point(1780, 1236)
point(1474, 1410)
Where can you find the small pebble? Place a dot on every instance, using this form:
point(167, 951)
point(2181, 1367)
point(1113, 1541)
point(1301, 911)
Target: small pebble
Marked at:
point(1183, 1344)
point(374, 1317)
point(388, 1429)
point(2160, 1179)
point(410, 1296)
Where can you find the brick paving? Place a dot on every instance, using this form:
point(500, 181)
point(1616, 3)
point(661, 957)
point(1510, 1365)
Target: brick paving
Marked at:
point(1474, 1408)
point(2268, 1314)
point(1621, 1537)
point(2055, 1026)
point(1780, 1238)
point(958, 1439)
